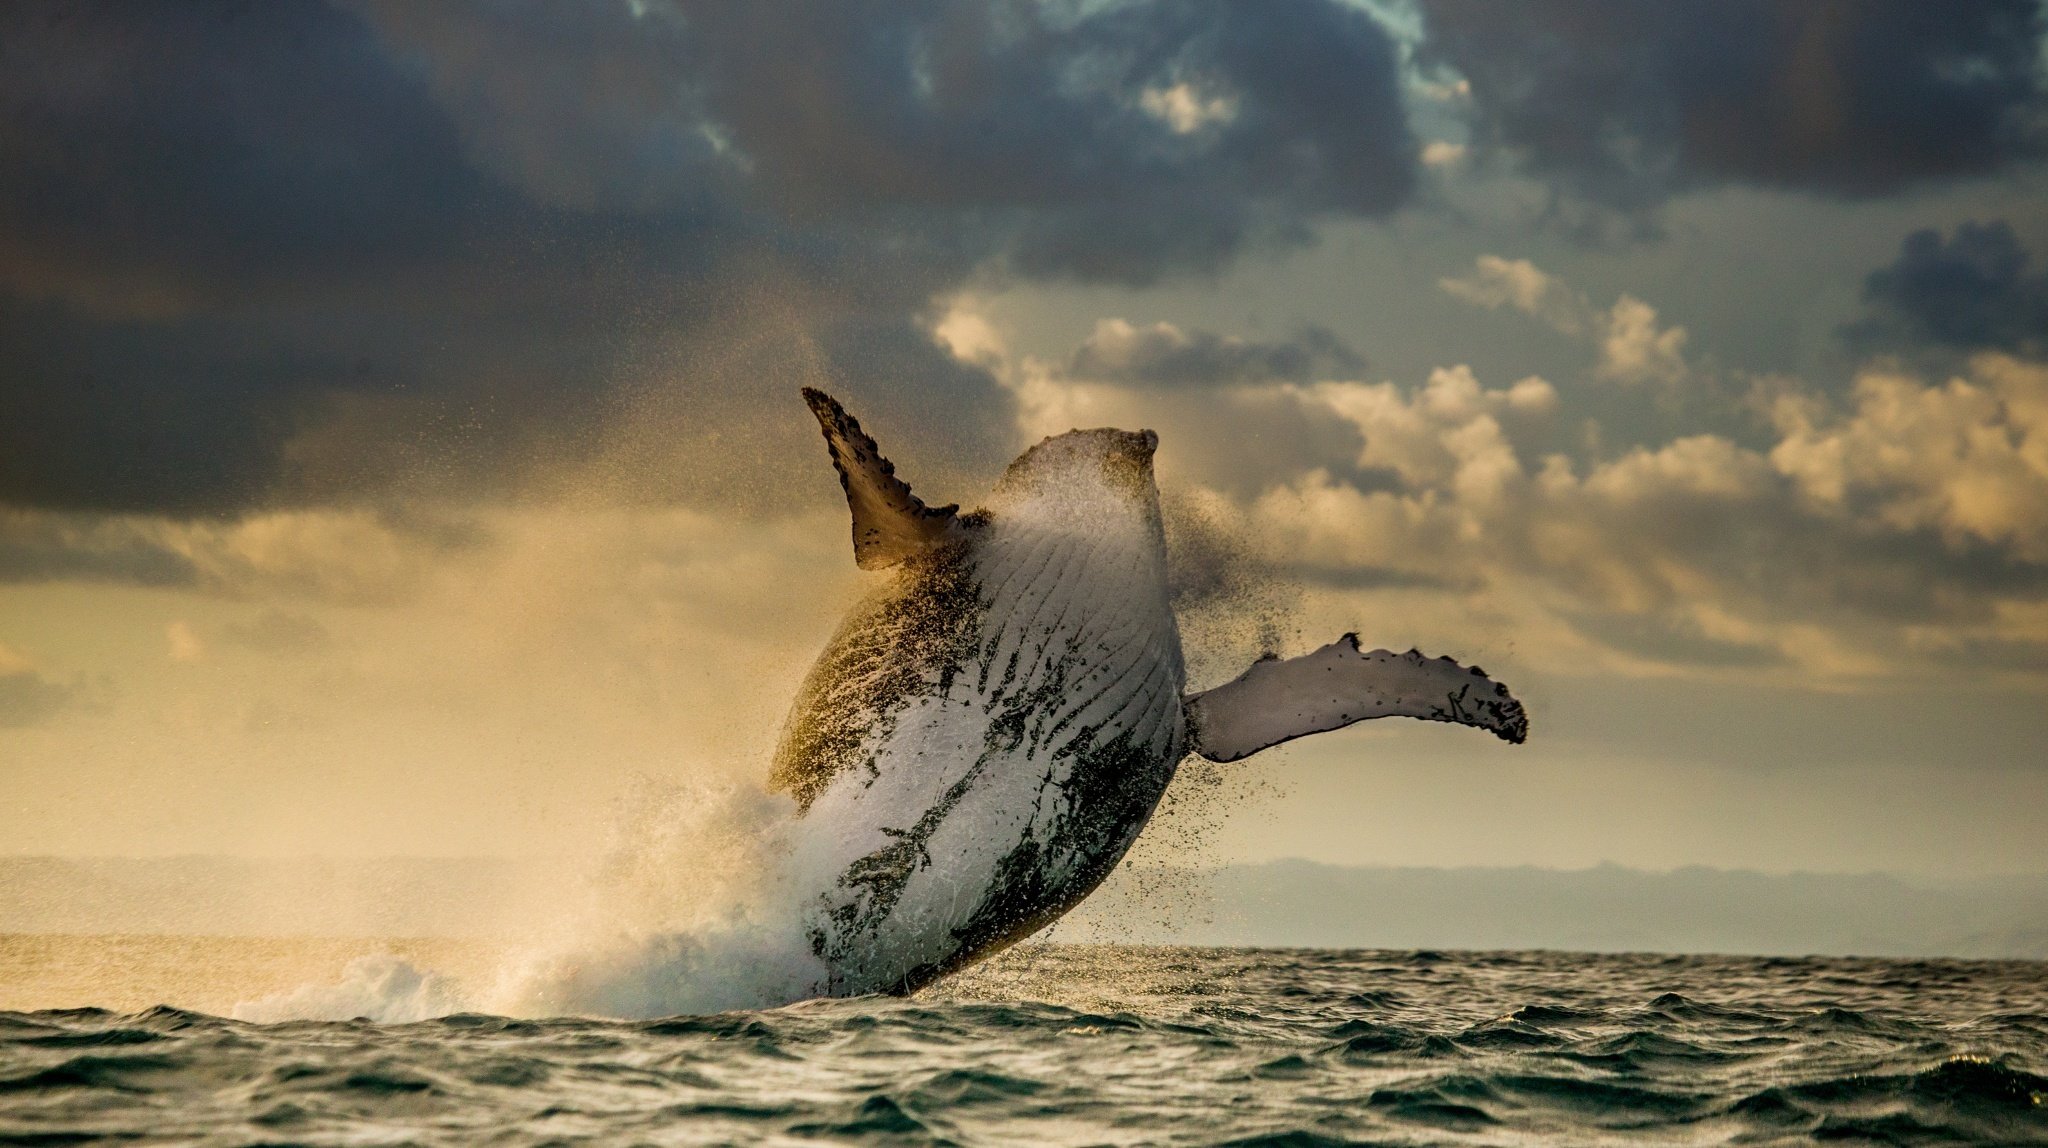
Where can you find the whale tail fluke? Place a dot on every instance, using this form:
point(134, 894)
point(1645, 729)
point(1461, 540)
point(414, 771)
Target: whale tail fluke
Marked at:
point(889, 522)
point(1276, 701)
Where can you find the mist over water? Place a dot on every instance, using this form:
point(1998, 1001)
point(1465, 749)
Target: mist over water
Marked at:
point(695, 904)
point(691, 910)
point(695, 910)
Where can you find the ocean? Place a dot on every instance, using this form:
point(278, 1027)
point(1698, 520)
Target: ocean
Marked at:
point(1061, 1044)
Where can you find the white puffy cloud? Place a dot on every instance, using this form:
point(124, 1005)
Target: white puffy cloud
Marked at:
point(1631, 346)
point(1446, 436)
point(183, 643)
point(1185, 109)
point(1443, 153)
point(1845, 543)
point(1967, 458)
point(1633, 349)
point(1497, 282)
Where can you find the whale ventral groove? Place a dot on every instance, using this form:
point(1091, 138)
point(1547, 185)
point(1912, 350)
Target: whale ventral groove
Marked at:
point(987, 732)
point(920, 630)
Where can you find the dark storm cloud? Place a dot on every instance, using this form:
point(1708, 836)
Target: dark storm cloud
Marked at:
point(451, 230)
point(1165, 355)
point(1970, 291)
point(1630, 101)
point(1118, 144)
point(215, 218)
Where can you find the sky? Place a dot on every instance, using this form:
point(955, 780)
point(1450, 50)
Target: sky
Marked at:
point(400, 449)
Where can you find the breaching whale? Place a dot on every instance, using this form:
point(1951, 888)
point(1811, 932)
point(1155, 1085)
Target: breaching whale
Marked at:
point(987, 732)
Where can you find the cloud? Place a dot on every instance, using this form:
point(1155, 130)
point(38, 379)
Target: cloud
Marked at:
point(1900, 529)
point(1443, 154)
point(1186, 110)
point(1448, 434)
point(1632, 347)
point(1916, 516)
point(27, 697)
point(183, 642)
point(280, 632)
point(453, 249)
point(343, 555)
point(1229, 403)
point(1118, 141)
point(1628, 104)
point(40, 546)
point(1967, 459)
point(215, 221)
point(1237, 439)
point(1970, 291)
point(1165, 355)
point(1518, 283)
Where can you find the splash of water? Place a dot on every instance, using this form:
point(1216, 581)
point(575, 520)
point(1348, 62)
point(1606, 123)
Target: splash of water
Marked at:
point(691, 910)
point(698, 904)
point(381, 987)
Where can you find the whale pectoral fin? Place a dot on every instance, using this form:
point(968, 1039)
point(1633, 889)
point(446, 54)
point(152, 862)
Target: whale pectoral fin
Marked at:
point(889, 523)
point(1278, 701)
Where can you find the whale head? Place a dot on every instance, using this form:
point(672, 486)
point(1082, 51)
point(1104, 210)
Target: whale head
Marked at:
point(1100, 470)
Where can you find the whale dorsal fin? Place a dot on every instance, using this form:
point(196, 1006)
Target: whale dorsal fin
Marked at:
point(889, 523)
point(1278, 701)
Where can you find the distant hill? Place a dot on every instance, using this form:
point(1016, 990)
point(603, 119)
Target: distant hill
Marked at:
point(1604, 909)
point(1607, 908)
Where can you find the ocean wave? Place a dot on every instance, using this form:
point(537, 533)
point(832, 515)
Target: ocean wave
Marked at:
point(1062, 1044)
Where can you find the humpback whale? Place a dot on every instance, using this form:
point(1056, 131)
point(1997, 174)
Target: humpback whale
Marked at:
point(988, 730)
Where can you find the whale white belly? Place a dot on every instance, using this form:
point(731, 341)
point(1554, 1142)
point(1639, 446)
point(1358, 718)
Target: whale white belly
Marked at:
point(1015, 771)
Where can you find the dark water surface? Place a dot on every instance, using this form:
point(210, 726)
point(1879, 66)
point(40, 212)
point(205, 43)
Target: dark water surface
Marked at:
point(1086, 1045)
